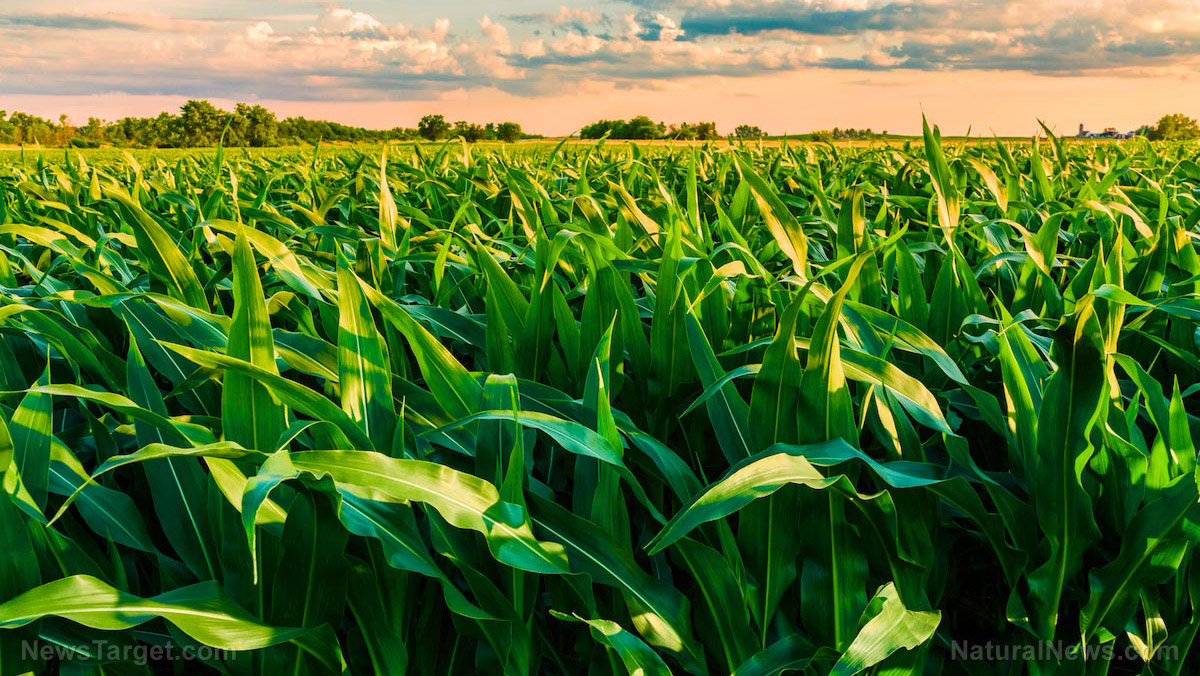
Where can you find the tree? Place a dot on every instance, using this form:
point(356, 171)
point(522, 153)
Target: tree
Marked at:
point(598, 129)
point(747, 131)
point(93, 130)
point(682, 132)
point(687, 131)
point(165, 131)
point(706, 131)
point(200, 124)
point(257, 126)
point(65, 130)
point(31, 129)
point(1176, 127)
point(642, 128)
point(508, 132)
point(469, 131)
point(433, 127)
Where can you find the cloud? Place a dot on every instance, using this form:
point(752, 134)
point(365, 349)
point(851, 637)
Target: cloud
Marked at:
point(813, 19)
point(342, 21)
point(576, 19)
point(69, 22)
point(658, 26)
point(1042, 37)
point(343, 52)
point(339, 53)
point(633, 59)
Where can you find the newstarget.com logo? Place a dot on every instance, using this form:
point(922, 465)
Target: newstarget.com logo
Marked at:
point(139, 654)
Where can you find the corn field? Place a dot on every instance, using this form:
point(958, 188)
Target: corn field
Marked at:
point(602, 409)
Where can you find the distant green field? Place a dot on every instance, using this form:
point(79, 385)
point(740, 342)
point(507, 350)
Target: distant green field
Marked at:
point(169, 154)
point(642, 409)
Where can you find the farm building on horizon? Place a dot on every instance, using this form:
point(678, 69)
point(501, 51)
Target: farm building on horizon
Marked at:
point(1109, 132)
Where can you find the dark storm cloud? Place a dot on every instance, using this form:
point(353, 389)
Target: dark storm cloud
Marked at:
point(67, 22)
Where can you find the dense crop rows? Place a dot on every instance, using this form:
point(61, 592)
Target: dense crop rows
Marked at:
point(597, 410)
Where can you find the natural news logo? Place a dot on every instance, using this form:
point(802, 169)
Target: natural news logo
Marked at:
point(1055, 651)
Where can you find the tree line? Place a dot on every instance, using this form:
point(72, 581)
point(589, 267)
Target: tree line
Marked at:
point(838, 134)
point(436, 127)
point(1174, 127)
point(642, 128)
point(200, 124)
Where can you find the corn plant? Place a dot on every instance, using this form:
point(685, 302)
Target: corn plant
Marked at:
point(601, 409)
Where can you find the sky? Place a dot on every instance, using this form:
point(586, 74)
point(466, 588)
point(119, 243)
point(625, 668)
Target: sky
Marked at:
point(788, 66)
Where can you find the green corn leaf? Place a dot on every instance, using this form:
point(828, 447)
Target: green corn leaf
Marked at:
point(251, 416)
point(167, 261)
point(827, 412)
point(201, 611)
point(782, 224)
point(1072, 404)
point(636, 656)
point(660, 613)
point(463, 500)
point(792, 652)
point(364, 371)
point(29, 431)
point(292, 394)
point(888, 626)
point(454, 388)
